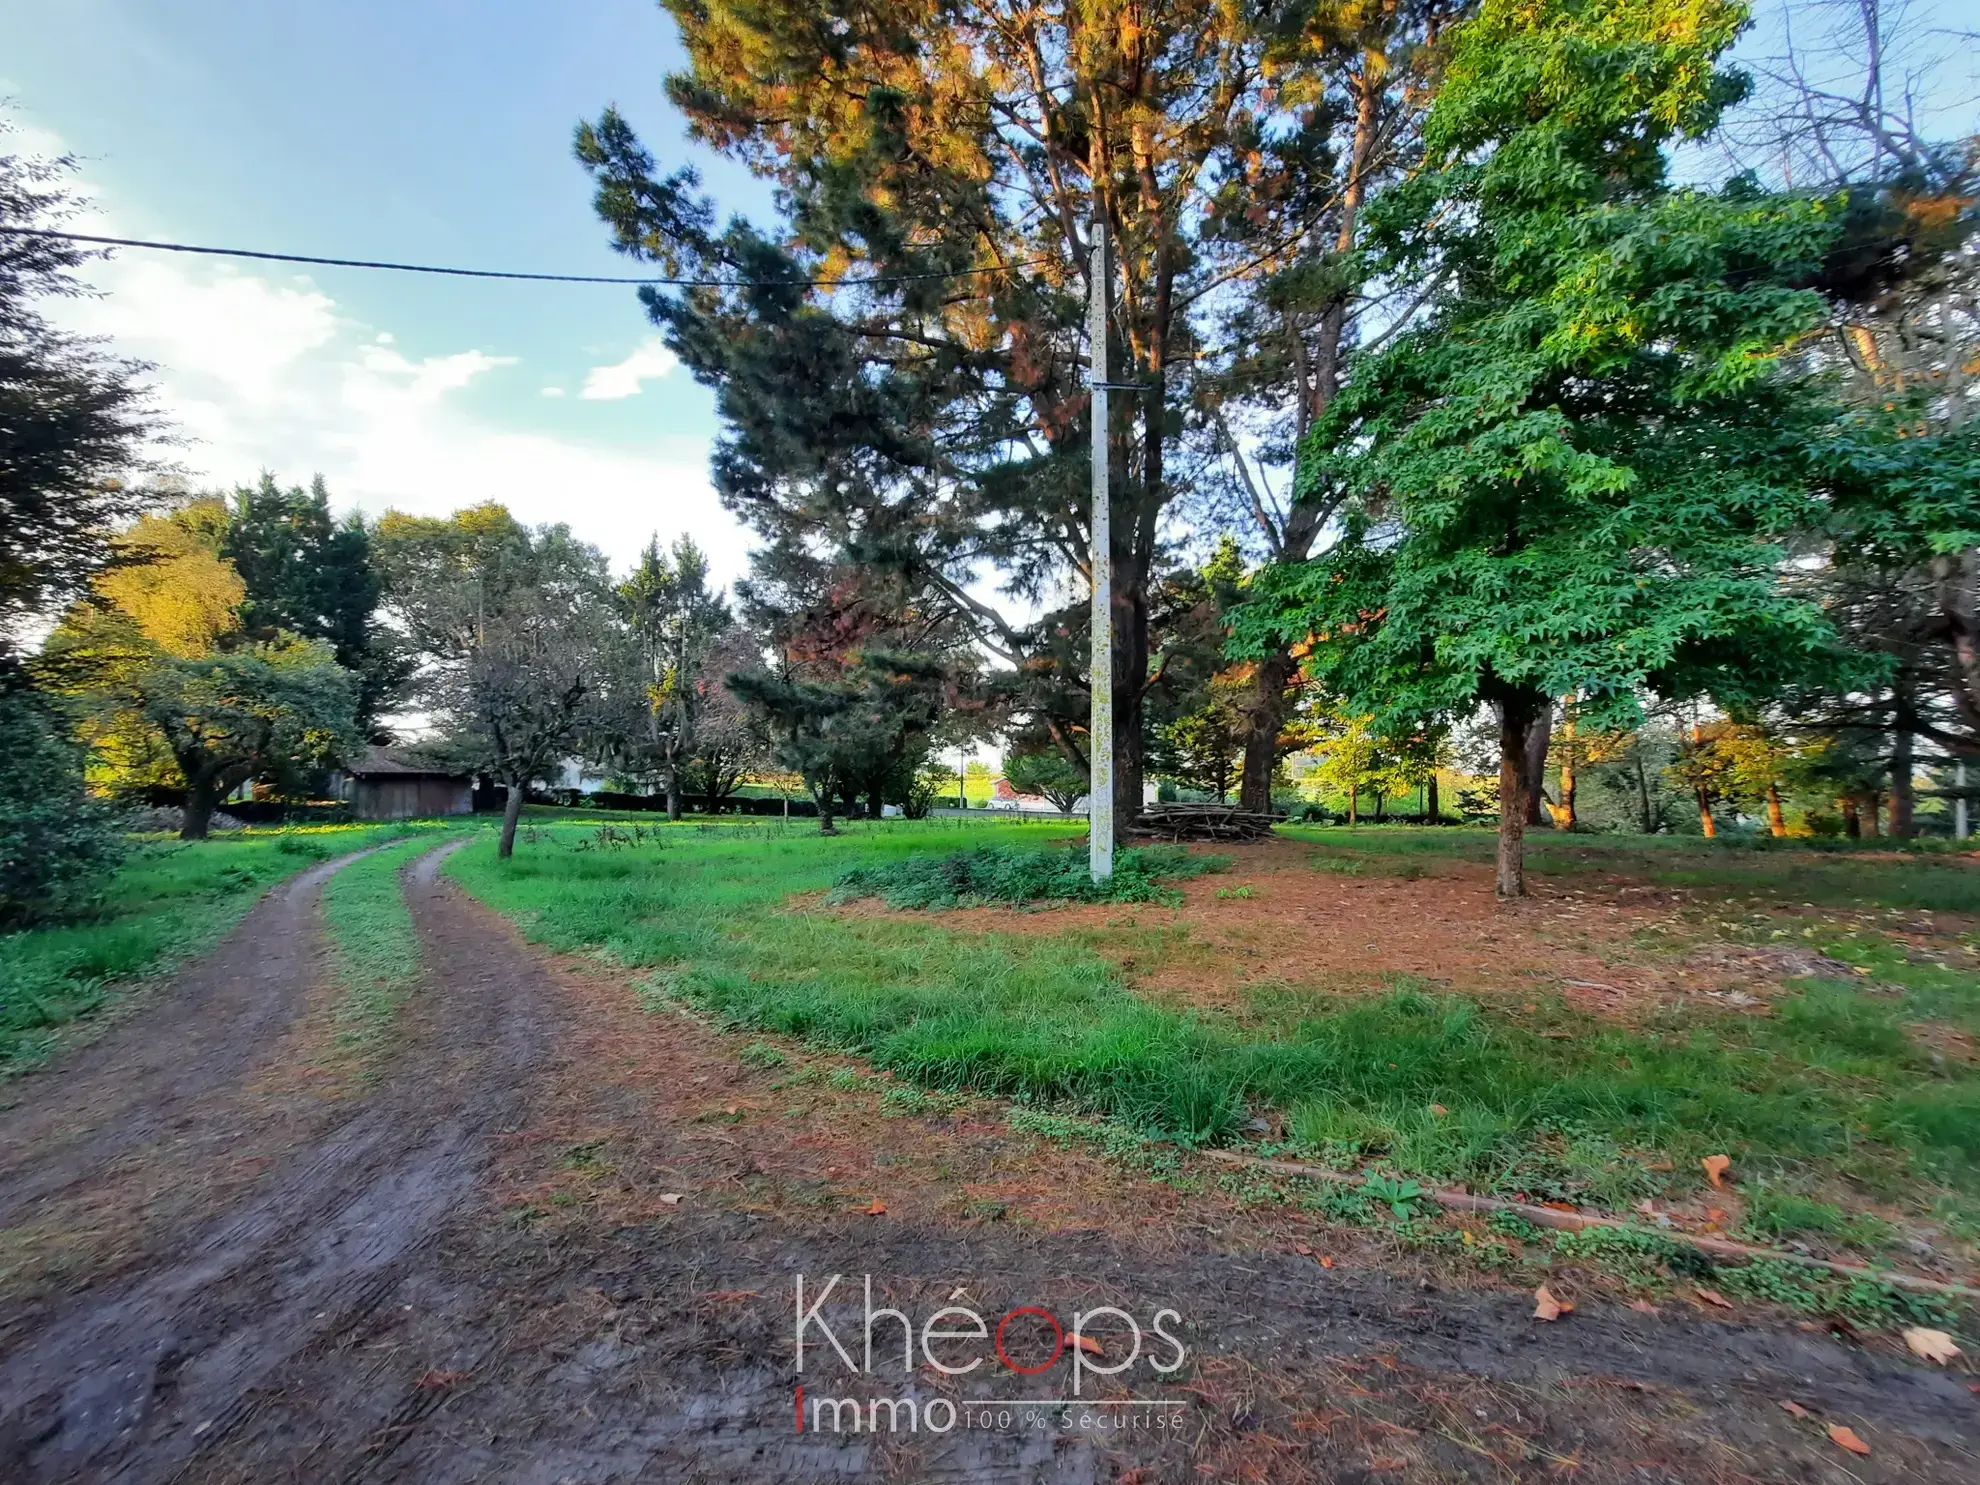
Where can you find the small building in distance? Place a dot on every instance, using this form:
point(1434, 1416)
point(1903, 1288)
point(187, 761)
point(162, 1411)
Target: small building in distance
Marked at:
point(386, 784)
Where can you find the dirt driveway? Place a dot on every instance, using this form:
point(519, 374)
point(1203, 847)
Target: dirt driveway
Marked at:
point(559, 1239)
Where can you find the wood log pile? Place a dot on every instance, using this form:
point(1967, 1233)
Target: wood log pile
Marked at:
point(1205, 822)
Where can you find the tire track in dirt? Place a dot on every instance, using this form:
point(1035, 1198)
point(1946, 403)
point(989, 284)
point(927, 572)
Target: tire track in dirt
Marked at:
point(366, 1312)
point(155, 1072)
point(129, 1381)
point(662, 1349)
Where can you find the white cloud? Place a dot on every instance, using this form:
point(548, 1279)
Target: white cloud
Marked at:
point(265, 373)
point(553, 391)
point(648, 363)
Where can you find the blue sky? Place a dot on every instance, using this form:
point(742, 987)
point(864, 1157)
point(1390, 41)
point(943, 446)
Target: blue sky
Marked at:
point(437, 131)
point(432, 131)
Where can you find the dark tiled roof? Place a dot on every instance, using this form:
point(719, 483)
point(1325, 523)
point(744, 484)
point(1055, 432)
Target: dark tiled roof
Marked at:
point(391, 762)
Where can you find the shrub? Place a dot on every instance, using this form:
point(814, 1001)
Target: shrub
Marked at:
point(1003, 874)
point(57, 844)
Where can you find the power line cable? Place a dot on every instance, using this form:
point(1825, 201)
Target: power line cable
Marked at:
point(549, 278)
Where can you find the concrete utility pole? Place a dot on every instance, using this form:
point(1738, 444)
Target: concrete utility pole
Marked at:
point(1100, 729)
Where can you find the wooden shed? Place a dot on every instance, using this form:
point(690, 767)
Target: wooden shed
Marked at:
point(386, 785)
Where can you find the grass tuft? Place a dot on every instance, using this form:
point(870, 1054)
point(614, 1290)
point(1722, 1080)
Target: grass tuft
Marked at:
point(374, 947)
point(1006, 874)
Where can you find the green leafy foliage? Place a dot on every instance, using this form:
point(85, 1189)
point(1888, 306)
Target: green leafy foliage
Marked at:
point(75, 419)
point(1587, 470)
point(58, 845)
point(1001, 874)
point(1049, 774)
point(309, 574)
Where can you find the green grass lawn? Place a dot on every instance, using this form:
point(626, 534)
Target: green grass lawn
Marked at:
point(171, 900)
point(1828, 1095)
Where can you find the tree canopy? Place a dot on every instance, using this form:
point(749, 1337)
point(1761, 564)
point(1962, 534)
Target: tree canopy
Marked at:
point(930, 414)
point(1577, 472)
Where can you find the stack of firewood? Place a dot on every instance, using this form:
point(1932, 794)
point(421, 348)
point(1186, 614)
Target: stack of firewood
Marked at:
point(1212, 822)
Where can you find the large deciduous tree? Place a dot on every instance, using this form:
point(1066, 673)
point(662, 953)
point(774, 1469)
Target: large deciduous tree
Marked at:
point(279, 708)
point(1574, 473)
point(945, 162)
point(523, 647)
point(173, 692)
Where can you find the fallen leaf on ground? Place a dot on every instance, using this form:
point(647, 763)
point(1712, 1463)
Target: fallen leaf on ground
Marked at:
point(1547, 1306)
point(1439, 1110)
point(878, 1209)
point(1844, 1437)
point(1388, 1462)
point(1716, 1167)
point(437, 1381)
point(1794, 1409)
point(1643, 1307)
point(1932, 1345)
point(671, 1199)
point(1302, 1250)
point(1326, 1260)
point(1085, 1343)
point(1713, 1297)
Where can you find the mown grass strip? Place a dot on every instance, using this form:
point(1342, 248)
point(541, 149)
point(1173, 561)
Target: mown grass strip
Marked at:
point(171, 901)
point(374, 948)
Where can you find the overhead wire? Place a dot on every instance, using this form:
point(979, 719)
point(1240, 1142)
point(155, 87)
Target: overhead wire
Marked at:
point(496, 273)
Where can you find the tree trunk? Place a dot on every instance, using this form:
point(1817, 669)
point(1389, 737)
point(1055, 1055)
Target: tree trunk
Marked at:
point(1518, 714)
point(1872, 822)
point(673, 794)
point(202, 794)
point(1432, 811)
point(1776, 817)
point(1264, 715)
point(1902, 798)
point(1707, 826)
point(511, 813)
point(1379, 799)
point(1647, 820)
point(1852, 818)
point(1354, 804)
point(1539, 736)
point(875, 804)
